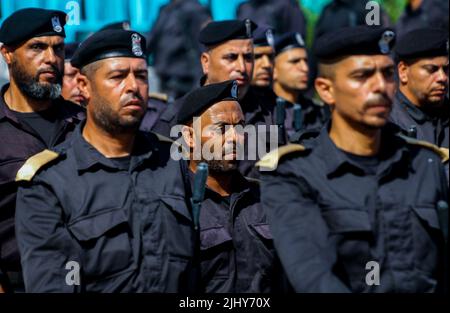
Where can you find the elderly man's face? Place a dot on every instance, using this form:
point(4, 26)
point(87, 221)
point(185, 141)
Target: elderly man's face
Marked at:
point(230, 60)
point(37, 66)
point(118, 90)
point(221, 135)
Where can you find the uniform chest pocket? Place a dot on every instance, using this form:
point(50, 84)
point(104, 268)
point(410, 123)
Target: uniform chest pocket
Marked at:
point(263, 234)
point(178, 227)
point(263, 230)
point(427, 237)
point(105, 242)
point(263, 250)
point(428, 216)
point(352, 235)
point(214, 237)
point(216, 245)
point(347, 221)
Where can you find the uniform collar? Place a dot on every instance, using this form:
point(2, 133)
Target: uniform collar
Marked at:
point(417, 114)
point(393, 153)
point(5, 111)
point(87, 156)
point(240, 183)
point(306, 105)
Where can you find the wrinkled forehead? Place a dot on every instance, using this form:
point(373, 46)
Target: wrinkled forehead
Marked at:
point(229, 112)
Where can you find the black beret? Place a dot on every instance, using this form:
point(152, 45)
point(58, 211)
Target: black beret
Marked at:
point(218, 32)
point(365, 40)
point(288, 41)
point(263, 36)
point(204, 97)
point(111, 43)
point(70, 49)
point(119, 25)
point(32, 22)
point(422, 43)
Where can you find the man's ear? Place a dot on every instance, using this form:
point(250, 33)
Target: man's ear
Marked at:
point(188, 136)
point(403, 71)
point(325, 89)
point(205, 59)
point(83, 84)
point(7, 54)
point(275, 72)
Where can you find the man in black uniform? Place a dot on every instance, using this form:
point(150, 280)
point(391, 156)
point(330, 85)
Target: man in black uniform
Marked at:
point(261, 84)
point(290, 81)
point(421, 102)
point(70, 90)
point(228, 55)
point(283, 15)
point(237, 253)
point(423, 14)
point(33, 115)
point(174, 46)
point(264, 54)
point(106, 211)
point(357, 208)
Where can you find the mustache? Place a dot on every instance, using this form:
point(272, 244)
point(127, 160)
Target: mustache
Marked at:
point(240, 76)
point(379, 99)
point(132, 97)
point(52, 68)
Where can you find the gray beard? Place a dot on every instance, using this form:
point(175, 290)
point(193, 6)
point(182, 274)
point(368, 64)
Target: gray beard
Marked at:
point(31, 86)
point(39, 91)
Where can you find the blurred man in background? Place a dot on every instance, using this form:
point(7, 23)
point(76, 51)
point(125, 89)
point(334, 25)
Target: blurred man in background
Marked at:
point(421, 104)
point(173, 44)
point(291, 73)
point(421, 14)
point(70, 89)
point(283, 15)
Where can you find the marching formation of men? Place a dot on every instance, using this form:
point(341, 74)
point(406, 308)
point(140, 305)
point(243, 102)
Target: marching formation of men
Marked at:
point(105, 187)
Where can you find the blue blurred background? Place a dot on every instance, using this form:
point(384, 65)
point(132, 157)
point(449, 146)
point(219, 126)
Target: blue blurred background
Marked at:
point(93, 14)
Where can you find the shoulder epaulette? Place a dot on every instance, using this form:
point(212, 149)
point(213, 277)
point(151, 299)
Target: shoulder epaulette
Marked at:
point(34, 163)
point(165, 139)
point(271, 159)
point(252, 180)
point(159, 96)
point(441, 151)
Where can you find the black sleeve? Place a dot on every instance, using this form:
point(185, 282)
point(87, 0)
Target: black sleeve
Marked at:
point(300, 234)
point(45, 244)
